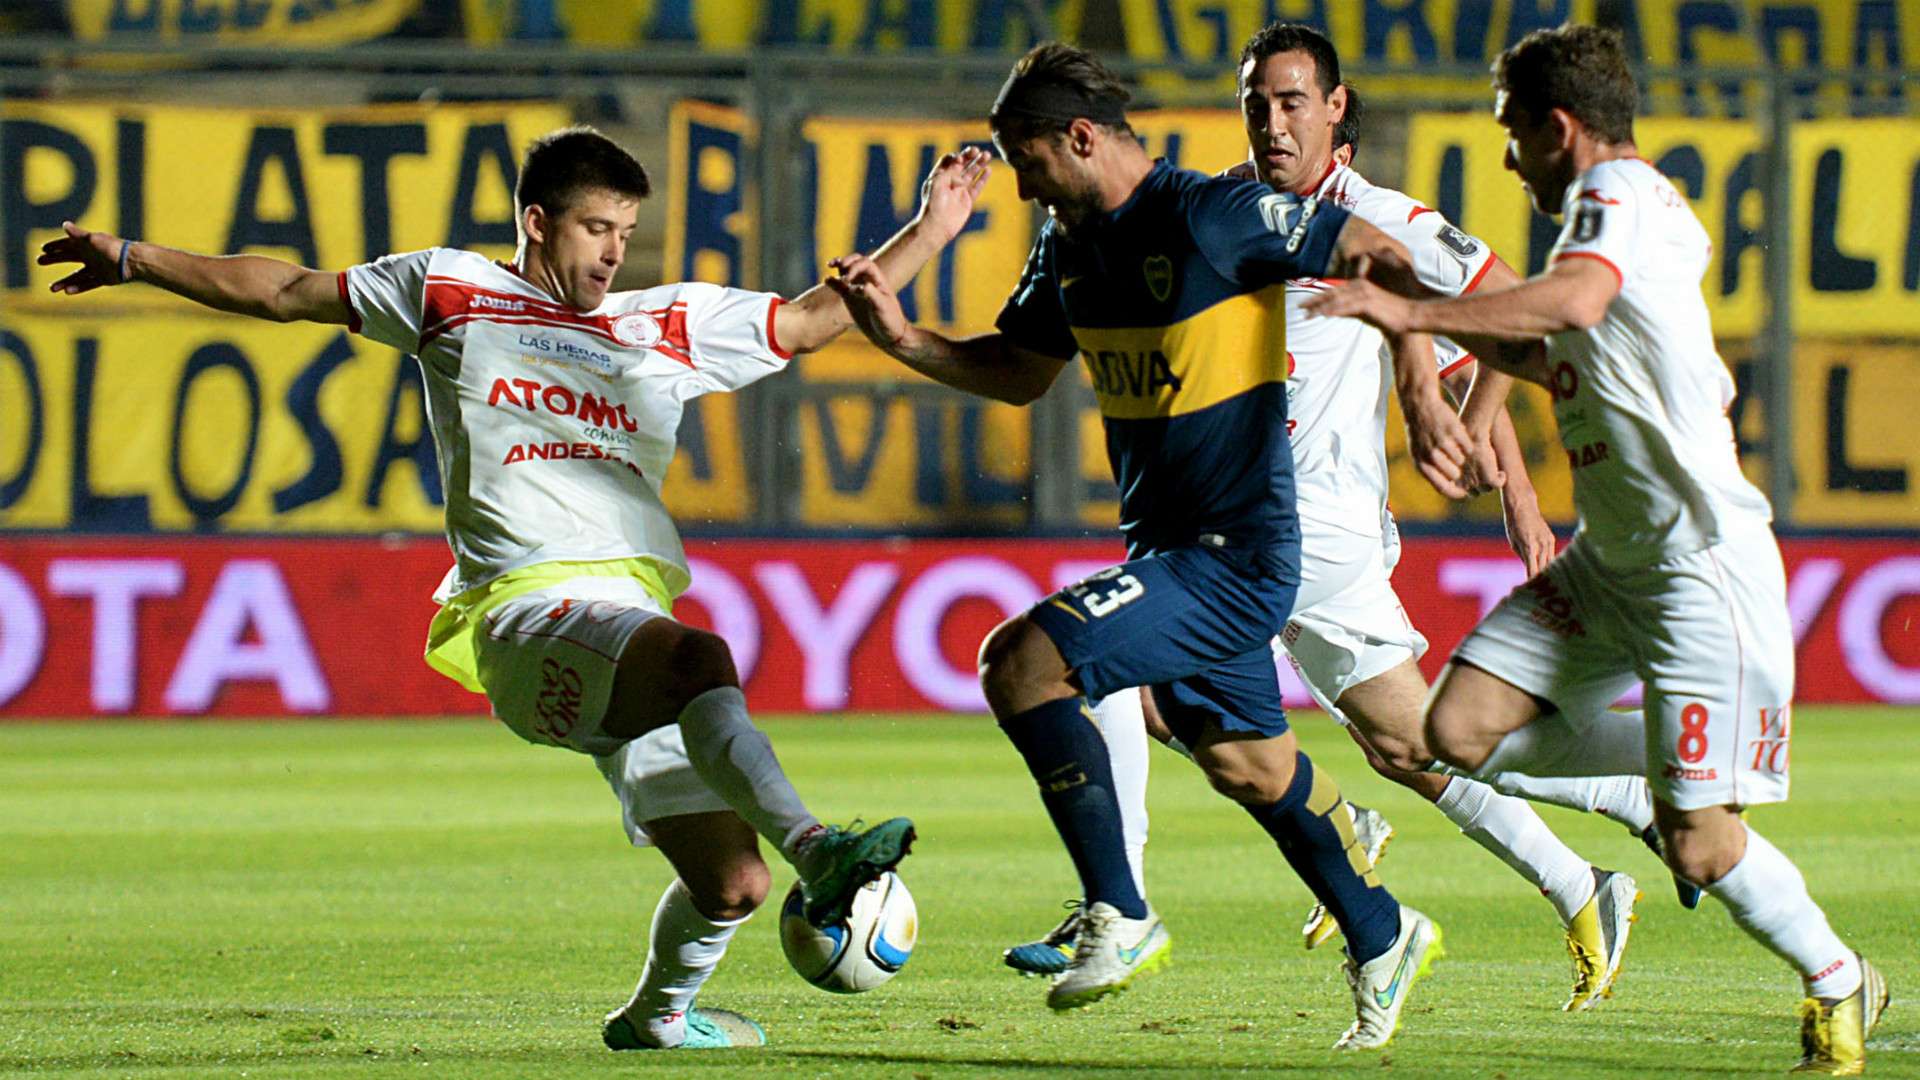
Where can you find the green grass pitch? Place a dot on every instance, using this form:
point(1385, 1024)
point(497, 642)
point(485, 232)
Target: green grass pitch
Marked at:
point(375, 899)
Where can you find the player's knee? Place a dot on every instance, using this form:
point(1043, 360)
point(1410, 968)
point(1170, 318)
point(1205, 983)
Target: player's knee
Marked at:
point(1396, 755)
point(1452, 736)
point(1011, 668)
point(730, 889)
point(698, 662)
point(1701, 856)
point(1245, 782)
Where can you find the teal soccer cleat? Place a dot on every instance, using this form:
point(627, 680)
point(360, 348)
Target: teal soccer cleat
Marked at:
point(707, 1029)
point(847, 860)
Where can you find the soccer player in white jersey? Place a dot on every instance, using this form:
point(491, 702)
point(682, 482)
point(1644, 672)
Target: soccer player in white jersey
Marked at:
point(1673, 577)
point(554, 404)
point(1348, 636)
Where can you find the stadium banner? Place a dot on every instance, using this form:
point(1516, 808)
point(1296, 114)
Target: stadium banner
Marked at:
point(1856, 215)
point(864, 27)
point(199, 423)
point(1405, 36)
point(321, 187)
point(271, 627)
point(300, 23)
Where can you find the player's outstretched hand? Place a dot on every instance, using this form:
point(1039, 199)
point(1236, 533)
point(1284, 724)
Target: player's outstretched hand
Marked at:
point(1359, 298)
point(873, 305)
point(97, 253)
point(1528, 532)
point(947, 197)
point(1439, 444)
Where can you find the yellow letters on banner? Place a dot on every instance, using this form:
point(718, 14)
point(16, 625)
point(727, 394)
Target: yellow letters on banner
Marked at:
point(237, 22)
point(324, 188)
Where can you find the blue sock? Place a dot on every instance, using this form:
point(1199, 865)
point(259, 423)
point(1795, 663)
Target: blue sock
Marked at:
point(1068, 758)
point(1311, 825)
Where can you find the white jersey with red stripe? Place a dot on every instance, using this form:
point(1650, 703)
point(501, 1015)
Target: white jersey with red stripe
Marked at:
point(554, 426)
point(1641, 398)
point(1340, 371)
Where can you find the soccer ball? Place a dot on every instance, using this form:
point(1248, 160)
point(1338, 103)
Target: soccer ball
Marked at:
point(859, 952)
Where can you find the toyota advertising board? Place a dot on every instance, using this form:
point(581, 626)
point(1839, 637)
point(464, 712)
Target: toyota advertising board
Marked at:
point(266, 627)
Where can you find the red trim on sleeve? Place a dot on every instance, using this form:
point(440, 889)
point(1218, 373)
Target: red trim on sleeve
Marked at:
point(1482, 273)
point(1596, 257)
point(1417, 211)
point(773, 342)
point(353, 317)
point(1465, 359)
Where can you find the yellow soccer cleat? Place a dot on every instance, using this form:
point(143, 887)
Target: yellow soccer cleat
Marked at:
point(1833, 1034)
point(1597, 938)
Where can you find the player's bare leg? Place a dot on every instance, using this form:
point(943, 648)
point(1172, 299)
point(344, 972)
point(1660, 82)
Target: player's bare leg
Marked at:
point(1480, 724)
point(720, 881)
point(1029, 690)
point(671, 673)
point(1595, 906)
point(1767, 897)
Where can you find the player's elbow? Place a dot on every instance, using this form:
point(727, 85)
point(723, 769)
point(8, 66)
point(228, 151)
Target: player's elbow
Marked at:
point(1020, 393)
point(1585, 311)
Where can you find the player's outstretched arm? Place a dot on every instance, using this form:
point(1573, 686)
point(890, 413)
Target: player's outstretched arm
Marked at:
point(244, 284)
point(818, 315)
point(987, 365)
point(1573, 294)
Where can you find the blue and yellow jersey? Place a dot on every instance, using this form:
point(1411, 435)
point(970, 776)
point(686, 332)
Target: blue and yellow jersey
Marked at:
point(1176, 301)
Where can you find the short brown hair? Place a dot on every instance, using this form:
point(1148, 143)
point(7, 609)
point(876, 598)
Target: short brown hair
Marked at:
point(1056, 64)
point(563, 165)
point(1582, 69)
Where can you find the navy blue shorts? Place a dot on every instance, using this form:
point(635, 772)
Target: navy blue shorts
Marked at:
point(1194, 623)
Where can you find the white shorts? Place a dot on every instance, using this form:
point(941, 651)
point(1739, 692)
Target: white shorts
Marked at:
point(1347, 625)
point(1708, 634)
point(547, 661)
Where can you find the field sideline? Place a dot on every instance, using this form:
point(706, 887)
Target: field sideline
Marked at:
point(364, 899)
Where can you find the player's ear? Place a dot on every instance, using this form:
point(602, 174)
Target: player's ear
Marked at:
point(1080, 135)
point(1565, 127)
point(533, 223)
point(1337, 103)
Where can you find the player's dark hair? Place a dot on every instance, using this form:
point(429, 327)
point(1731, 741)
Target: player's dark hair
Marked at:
point(1276, 38)
point(1582, 69)
point(563, 165)
point(1347, 131)
point(1053, 85)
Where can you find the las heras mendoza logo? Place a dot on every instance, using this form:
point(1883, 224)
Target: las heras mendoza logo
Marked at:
point(637, 330)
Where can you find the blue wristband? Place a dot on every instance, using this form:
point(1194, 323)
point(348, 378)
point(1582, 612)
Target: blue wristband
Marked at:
point(125, 246)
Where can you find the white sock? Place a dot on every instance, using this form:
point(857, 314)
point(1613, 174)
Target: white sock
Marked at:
point(1515, 834)
point(737, 762)
point(1768, 899)
point(1624, 799)
point(1124, 726)
point(1604, 744)
point(682, 951)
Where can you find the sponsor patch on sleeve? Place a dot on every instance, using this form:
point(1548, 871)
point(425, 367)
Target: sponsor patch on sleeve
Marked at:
point(1458, 242)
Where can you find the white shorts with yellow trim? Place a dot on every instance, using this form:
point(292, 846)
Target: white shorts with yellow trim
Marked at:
point(547, 660)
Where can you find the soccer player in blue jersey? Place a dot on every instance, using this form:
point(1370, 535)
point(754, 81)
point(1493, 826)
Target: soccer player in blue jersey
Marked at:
point(1170, 283)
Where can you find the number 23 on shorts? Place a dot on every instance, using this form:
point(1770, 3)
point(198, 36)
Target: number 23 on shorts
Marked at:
point(1107, 591)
